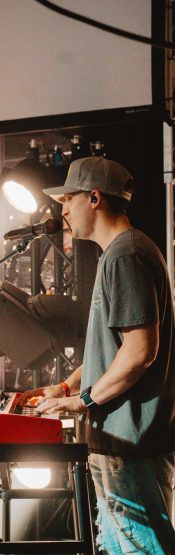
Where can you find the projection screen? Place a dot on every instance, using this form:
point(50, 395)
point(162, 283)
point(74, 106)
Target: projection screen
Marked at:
point(51, 65)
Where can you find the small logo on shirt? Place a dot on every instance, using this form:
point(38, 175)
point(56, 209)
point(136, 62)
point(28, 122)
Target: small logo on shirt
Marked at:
point(97, 301)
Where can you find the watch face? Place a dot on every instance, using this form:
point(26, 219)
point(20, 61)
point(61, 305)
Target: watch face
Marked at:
point(85, 395)
point(87, 390)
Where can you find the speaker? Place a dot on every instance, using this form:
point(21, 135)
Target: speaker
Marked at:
point(93, 198)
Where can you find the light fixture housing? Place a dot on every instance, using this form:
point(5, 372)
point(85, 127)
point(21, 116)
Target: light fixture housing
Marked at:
point(22, 185)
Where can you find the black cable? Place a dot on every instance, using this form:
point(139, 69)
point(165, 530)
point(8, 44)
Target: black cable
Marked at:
point(104, 26)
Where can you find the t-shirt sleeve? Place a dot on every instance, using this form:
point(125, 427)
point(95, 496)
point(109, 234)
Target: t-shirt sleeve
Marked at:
point(131, 292)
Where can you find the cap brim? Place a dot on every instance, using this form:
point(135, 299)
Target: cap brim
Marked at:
point(57, 193)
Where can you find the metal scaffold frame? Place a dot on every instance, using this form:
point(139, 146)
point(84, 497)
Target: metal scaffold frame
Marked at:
point(169, 148)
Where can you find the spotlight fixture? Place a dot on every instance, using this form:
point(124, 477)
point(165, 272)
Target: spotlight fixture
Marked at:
point(22, 185)
point(19, 197)
point(35, 478)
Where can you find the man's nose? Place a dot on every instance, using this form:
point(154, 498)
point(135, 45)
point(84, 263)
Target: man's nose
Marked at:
point(65, 209)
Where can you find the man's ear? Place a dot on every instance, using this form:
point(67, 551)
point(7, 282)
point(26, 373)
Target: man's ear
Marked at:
point(95, 197)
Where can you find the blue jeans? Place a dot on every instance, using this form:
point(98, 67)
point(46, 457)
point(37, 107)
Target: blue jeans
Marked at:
point(134, 502)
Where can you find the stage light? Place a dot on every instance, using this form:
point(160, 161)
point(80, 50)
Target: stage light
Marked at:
point(35, 478)
point(19, 197)
point(23, 185)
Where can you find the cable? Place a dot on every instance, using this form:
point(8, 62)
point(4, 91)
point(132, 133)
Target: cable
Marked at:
point(104, 26)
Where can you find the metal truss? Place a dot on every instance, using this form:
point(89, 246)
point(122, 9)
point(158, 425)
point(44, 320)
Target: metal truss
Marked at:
point(169, 144)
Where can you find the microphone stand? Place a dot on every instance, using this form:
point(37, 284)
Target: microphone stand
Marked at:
point(20, 248)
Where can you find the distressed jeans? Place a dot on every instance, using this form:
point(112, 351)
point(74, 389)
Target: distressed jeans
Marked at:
point(134, 502)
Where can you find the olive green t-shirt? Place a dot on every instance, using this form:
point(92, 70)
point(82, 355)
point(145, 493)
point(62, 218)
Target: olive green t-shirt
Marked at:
point(131, 289)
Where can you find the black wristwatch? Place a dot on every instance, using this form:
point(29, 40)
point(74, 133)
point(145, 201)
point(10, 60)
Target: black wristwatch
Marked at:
point(85, 395)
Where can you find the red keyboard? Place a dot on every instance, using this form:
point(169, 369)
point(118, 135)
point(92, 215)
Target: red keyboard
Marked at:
point(26, 425)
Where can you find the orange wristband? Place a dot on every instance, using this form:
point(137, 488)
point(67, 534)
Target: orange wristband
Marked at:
point(66, 388)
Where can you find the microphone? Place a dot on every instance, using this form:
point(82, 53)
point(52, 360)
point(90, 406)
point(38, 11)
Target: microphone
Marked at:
point(49, 227)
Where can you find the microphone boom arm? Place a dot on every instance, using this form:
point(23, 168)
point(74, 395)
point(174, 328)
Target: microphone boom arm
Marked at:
point(20, 248)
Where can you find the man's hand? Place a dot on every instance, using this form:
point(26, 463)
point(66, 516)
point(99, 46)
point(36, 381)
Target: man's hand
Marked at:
point(66, 404)
point(35, 396)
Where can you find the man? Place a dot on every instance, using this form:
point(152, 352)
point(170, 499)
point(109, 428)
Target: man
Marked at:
point(126, 403)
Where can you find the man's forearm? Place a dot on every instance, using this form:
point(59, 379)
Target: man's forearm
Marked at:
point(59, 390)
point(73, 381)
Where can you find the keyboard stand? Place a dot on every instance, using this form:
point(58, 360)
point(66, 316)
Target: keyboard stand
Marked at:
point(76, 455)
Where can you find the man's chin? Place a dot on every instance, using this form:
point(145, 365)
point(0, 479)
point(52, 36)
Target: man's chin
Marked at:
point(77, 234)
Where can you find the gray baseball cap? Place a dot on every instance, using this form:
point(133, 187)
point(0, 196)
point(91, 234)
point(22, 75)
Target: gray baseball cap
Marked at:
point(98, 173)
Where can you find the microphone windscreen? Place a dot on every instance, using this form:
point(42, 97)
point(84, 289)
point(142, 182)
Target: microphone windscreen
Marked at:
point(53, 226)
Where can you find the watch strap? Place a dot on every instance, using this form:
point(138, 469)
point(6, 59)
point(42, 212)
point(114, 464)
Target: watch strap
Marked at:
point(85, 395)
